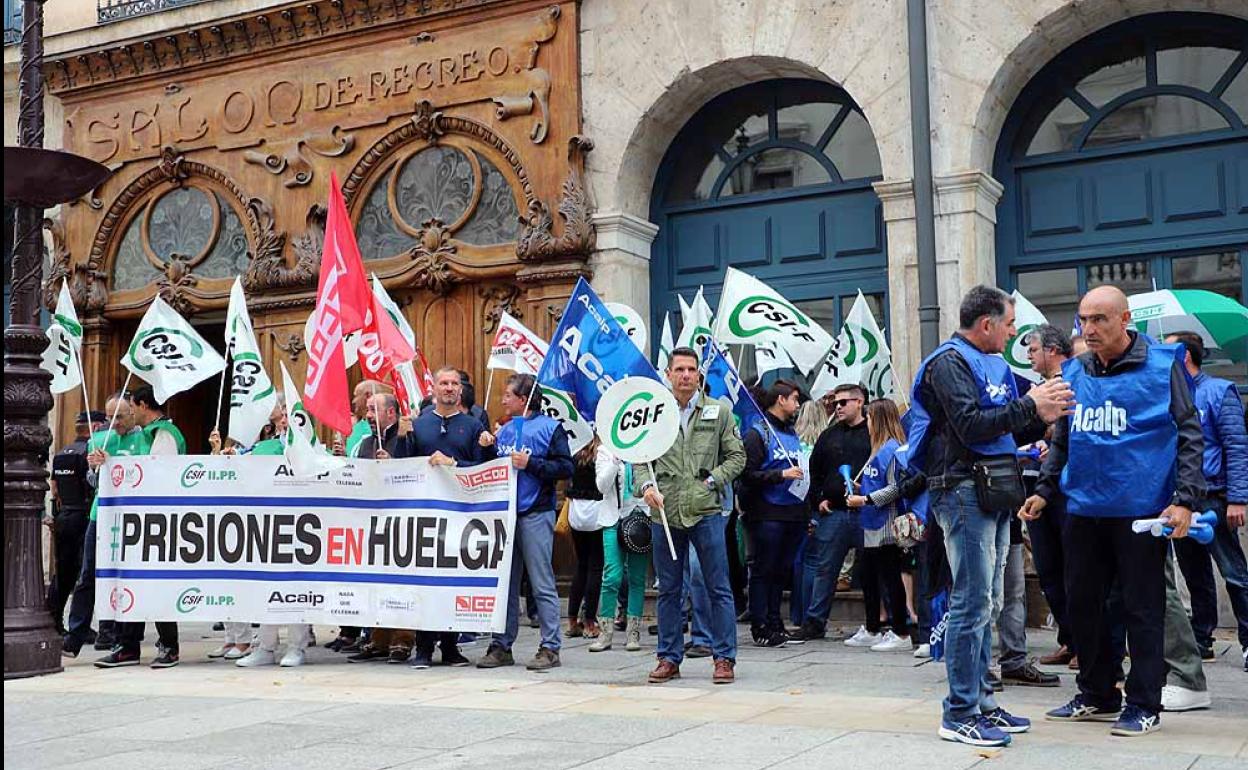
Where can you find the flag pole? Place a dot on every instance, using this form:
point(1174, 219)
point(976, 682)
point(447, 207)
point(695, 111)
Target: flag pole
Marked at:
point(229, 355)
point(82, 380)
point(117, 408)
point(667, 530)
point(489, 385)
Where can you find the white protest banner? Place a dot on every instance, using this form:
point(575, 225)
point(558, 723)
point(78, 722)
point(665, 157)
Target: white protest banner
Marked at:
point(515, 347)
point(630, 319)
point(394, 543)
point(1026, 318)
point(638, 420)
point(751, 312)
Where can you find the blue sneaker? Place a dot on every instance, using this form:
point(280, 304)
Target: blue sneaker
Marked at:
point(974, 730)
point(1135, 721)
point(420, 660)
point(1078, 710)
point(1007, 722)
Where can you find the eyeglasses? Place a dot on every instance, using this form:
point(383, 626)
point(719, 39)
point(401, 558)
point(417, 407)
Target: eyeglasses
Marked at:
point(844, 401)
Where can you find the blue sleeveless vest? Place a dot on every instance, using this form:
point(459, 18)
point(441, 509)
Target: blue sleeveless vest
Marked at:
point(786, 455)
point(1123, 444)
point(996, 386)
point(1210, 394)
point(874, 478)
point(920, 504)
point(532, 435)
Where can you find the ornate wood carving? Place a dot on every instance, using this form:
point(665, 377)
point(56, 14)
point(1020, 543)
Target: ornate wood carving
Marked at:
point(176, 282)
point(87, 287)
point(431, 257)
point(268, 270)
point(538, 241)
point(295, 161)
point(499, 299)
point(290, 343)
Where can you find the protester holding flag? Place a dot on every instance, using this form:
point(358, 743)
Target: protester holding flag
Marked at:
point(73, 498)
point(448, 436)
point(593, 503)
point(162, 438)
point(361, 428)
point(965, 425)
point(1134, 410)
point(124, 438)
point(538, 447)
point(834, 528)
point(885, 489)
point(687, 482)
point(773, 503)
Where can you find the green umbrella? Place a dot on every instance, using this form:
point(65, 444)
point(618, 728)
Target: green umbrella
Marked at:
point(1219, 320)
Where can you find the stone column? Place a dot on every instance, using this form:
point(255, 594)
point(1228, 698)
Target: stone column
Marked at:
point(966, 227)
point(621, 262)
point(897, 197)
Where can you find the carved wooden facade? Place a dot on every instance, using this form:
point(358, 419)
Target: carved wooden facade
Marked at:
point(452, 126)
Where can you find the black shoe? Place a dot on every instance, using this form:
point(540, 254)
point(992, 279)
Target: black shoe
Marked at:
point(770, 639)
point(166, 659)
point(1030, 676)
point(369, 653)
point(995, 682)
point(1207, 654)
point(218, 626)
point(118, 658)
point(621, 624)
point(350, 645)
point(698, 651)
point(811, 631)
point(68, 650)
point(454, 658)
point(91, 636)
point(398, 656)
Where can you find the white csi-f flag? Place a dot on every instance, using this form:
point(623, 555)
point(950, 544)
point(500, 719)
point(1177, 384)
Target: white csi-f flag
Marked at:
point(516, 347)
point(751, 312)
point(696, 320)
point(67, 317)
point(405, 371)
point(169, 354)
point(1026, 318)
point(304, 453)
point(666, 343)
point(61, 358)
point(252, 396)
point(861, 356)
point(768, 357)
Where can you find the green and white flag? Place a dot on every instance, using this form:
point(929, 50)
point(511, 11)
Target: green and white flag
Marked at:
point(1026, 318)
point(861, 356)
point(696, 321)
point(252, 396)
point(1221, 322)
point(405, 371)
point(305, 454)
point(752, 312)
point(665, 343)
point(60, 361)
point(769, 358)
point(169, 354)
point(67, 317)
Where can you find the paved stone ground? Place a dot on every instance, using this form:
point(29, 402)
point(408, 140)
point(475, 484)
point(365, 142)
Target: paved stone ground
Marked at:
point(811, 706)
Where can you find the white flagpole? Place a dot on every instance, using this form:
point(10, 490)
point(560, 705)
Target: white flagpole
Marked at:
point(82, 380)
point(667, 530)
point(117, 408)
point(489, 385)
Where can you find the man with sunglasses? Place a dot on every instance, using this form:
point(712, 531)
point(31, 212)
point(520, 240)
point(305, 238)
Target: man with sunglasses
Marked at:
point(448, 435)
point(834, 527)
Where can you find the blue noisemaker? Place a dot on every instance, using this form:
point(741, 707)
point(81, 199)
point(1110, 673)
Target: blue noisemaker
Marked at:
point(1201, 530)
point(848, 475)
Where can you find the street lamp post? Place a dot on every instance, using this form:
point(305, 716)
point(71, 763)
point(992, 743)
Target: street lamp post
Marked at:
point(34, 179)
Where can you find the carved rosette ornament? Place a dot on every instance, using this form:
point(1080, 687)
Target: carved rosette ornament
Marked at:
point(431, 257)
point(427, 122)
point(537, 241)
point(174, 285)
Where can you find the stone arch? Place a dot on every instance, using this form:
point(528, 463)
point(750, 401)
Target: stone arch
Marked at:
point(1051, 35)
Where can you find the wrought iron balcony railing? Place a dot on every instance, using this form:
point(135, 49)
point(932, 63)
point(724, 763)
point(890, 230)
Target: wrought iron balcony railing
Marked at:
point(116, 10)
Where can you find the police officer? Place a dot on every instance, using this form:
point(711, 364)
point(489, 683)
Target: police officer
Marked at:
point(72, 496)
point(1134, 411)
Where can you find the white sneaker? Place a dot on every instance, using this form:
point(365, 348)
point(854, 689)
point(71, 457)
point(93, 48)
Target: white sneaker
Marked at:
point(220, 652)
point(257, 657)
point(1182, 699)
point(863, 638)
point(292, 658)
point(892, 643)
point(233, 654)
point(923, 651)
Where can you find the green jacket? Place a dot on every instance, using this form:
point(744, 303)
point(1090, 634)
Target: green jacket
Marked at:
point(270, 446)
point(133, 443)
point(164, 423)
point(359, 431)
point(711, 444)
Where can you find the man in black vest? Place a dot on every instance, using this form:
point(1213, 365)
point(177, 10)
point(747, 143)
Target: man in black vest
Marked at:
point(72, 496)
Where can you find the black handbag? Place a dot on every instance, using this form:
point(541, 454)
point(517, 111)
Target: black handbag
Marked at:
point(998, 483)
point(634, 532)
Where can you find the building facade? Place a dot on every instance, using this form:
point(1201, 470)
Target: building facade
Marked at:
point(491, 152)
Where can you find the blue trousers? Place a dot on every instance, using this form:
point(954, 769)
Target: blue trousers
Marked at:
point(707, 540)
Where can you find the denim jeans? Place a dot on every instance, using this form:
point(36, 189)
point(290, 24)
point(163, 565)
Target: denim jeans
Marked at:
point(698, 602)
point(977, 544)
point(1010, 610)
point(707, 539)
point(534, 542)
point(835, 534)
point(797, 583)
point(775, 543)
point(1197, 567)
point(82, 604)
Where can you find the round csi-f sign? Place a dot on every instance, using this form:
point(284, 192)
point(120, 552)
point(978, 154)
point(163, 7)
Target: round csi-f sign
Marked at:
point(637, 419)
point(559, 406)
point(350, 343)
point(630, 319)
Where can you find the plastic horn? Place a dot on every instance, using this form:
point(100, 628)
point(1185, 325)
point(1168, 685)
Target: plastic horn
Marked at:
point(847, 474)
point(1140, 526)
point(1199, 532)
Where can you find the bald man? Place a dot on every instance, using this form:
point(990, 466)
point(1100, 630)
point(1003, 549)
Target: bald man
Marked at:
point(1133, 449)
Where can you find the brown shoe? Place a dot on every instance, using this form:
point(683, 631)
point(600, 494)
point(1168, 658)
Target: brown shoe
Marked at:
point(723, 672)
point(575, 629)
point(666, 671)
point(842, 584)
point(1061, 657)
point(1073, 665)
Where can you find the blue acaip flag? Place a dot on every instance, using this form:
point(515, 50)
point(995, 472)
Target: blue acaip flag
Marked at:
point(590, 352)
point(722, 381)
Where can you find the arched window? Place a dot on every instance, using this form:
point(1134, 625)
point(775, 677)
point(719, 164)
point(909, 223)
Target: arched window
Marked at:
point(455, 185)
point(192, 223)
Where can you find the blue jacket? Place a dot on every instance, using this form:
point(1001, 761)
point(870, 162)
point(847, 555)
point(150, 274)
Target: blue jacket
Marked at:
point(550, 460)
point(1226, 439)
point(455, 436)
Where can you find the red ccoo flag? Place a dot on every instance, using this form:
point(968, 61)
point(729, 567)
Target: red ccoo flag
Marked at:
point(342, 301)
point(382, 345)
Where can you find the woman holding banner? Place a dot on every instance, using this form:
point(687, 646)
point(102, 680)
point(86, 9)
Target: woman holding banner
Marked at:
point(883, 491)
point(774, 504)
